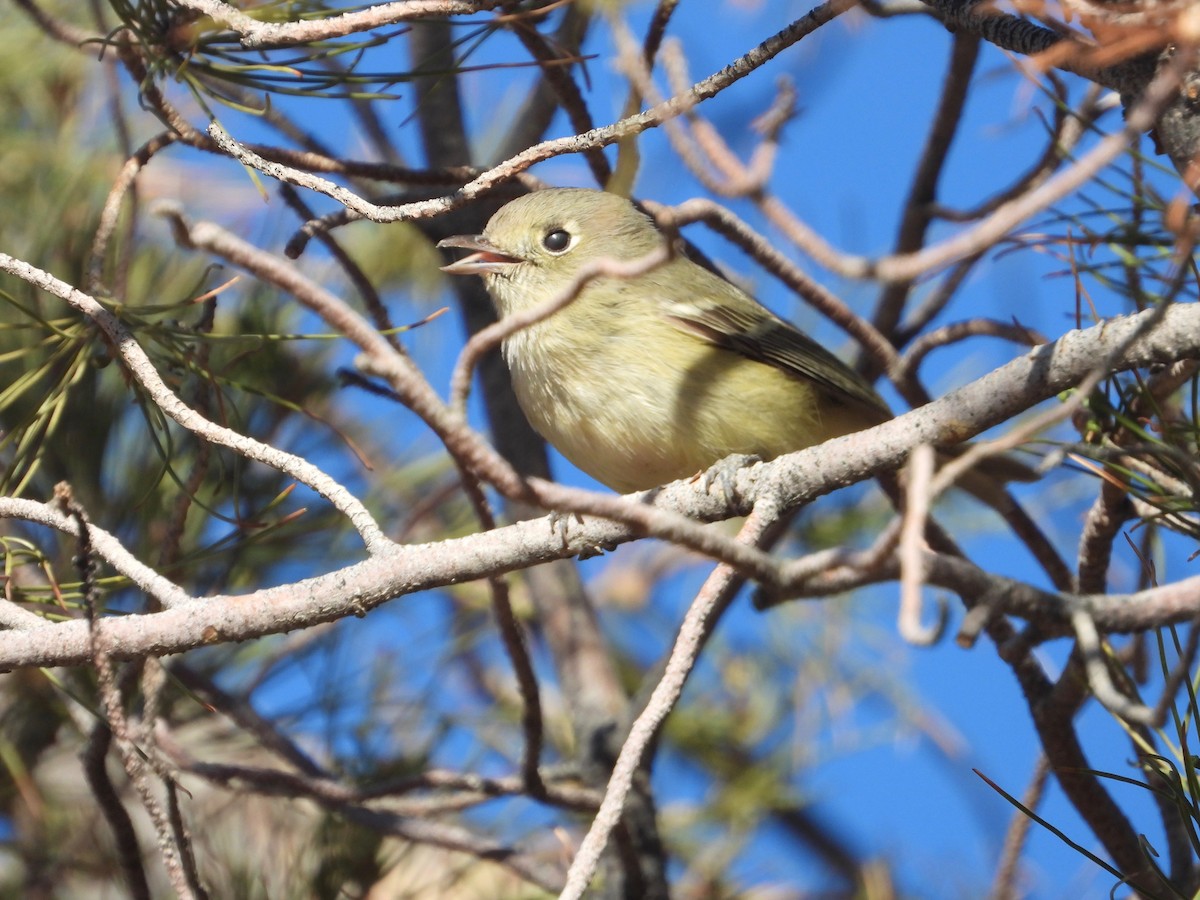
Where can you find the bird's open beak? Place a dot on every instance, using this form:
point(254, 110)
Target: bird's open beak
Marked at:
point(486, 260)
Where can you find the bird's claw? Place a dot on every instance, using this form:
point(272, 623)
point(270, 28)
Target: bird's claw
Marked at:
point(724, 474)
point(560, 521)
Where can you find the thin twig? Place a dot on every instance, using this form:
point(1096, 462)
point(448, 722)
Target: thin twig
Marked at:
point(142, 370)
point(912, 536)
point(689, 640)
point(258, 34)
point(597, 137)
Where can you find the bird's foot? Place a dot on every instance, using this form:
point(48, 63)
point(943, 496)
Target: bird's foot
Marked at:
point(723, 473)
point(560, 522)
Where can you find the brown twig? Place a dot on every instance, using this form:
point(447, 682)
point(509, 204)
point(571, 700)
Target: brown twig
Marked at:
point(922, 192)
point(1005, 884)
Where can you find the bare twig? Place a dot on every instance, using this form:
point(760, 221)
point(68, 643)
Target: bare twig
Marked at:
point(912, 536)
point(922, 192)
point(597, 137)
point(112, 704)
point(142, 370)
point(987, 232)
point(691, 636)
point(104, 544)
point(795, 477)
point(1005, 885)
point(259, 34)
point(129, 853)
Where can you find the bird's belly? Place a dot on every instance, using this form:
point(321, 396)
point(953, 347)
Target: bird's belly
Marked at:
point(633, 430)
point(627, 441)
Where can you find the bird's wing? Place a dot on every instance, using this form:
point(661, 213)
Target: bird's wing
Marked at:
point(747, 328)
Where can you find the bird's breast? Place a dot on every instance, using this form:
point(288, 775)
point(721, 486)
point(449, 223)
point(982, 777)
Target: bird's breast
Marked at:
point(634, 412)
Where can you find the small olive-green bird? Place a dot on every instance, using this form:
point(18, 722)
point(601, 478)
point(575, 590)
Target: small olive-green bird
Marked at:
point(644, 380)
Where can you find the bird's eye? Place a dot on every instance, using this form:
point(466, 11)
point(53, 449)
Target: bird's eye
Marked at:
point(556, 241)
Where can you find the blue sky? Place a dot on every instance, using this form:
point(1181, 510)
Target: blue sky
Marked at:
point(866, 91)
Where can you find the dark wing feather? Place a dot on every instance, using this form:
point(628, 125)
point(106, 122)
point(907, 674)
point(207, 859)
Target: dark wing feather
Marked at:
point(754, 332)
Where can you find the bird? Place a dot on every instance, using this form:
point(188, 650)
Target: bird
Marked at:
point(645, 380)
